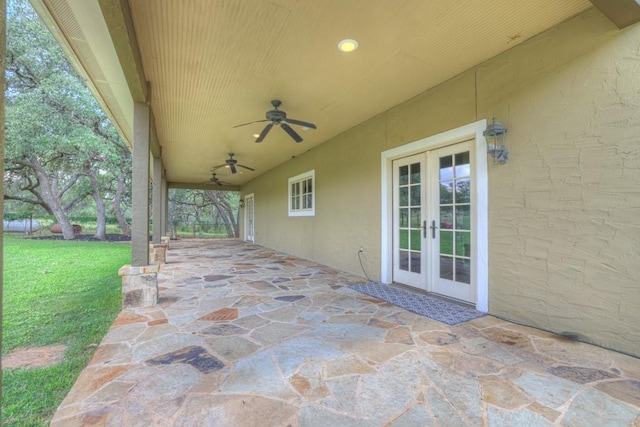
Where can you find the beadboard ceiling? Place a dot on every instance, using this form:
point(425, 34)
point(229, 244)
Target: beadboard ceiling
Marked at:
point(214, 64)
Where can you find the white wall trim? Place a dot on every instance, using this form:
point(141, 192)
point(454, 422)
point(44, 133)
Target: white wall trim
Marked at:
point(463, 133)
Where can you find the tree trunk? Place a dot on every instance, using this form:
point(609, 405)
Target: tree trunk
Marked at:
point(225, 211)
point(101, 214)
point(117, 209)
point(52, 198)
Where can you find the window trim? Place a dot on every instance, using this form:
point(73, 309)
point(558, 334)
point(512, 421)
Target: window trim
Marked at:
point(298, 179)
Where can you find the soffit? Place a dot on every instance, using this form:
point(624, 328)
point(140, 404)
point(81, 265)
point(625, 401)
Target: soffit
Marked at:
point(214, 64)
point(80, 30)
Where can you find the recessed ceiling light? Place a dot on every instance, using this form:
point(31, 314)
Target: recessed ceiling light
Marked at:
point(348, 45)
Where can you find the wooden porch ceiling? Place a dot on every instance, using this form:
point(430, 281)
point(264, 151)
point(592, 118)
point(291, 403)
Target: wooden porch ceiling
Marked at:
point(214, 64)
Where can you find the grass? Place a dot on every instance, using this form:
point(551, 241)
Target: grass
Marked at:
point(55, 292)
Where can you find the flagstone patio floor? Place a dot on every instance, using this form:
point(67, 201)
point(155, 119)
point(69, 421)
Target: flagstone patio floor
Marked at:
point(248, 336)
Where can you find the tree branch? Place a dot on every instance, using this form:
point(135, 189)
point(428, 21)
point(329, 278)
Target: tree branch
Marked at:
point(75, 201)
point(30, 201)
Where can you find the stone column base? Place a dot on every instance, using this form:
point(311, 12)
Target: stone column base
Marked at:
point(139, 285)
point(158, 253)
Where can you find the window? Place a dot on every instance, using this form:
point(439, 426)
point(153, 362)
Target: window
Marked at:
point(302, 196)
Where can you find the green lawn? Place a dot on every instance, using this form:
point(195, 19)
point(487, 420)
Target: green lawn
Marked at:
point(55, 292)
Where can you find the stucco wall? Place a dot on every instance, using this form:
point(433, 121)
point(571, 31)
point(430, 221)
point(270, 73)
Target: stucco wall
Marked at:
point(564, 213)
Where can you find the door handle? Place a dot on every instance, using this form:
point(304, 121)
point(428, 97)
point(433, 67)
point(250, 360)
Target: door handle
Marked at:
point(433, 229)
point(424, 229)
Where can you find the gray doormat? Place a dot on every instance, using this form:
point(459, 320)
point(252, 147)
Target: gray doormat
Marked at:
point(425, 305)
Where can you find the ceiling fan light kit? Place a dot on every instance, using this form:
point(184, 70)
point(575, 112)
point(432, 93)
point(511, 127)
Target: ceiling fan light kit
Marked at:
point(279, 118)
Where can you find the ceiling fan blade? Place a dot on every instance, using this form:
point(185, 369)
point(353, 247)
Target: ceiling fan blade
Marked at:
point(246, 167)
point(232, 166)
point(292, 133)
point(264, 132)
point(250, 123)
point(301, 123)
point(219, 166)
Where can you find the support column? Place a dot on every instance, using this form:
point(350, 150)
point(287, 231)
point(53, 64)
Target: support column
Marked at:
point(140, 280)
point(166, 239)
point(140, 187)
point(165, 205)
point(157, 248)
point(157, 201)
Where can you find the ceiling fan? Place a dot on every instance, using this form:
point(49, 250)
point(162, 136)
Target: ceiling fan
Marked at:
point(279, 117)
point(214, 180)
point(232, 164)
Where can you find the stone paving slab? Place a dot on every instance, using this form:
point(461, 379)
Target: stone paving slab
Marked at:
point(248, 336)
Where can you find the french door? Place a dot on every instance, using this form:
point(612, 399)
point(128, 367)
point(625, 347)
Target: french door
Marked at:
point(432, 220)
point(249, 218)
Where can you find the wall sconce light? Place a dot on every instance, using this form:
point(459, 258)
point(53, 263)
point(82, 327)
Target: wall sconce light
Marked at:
point(496, 134)
point(241, 203)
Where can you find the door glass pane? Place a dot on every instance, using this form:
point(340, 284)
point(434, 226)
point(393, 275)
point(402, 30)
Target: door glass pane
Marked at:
point(446, 267)
point(404, 239)
point(446, 242)
point(446, 168)
point(455, 217)
point(463, 243)
point(415, 240)
point(404, 196)
point(415, 195)
point(463, 270)
point(404, 260)
point(404, 175)
point(415, 217)
point(463, 190)
point(404, 217)
point(463, 217)
point(415, 262)
point(446, 217)
point(415, 173)
point(410, 215)
point(446, 192)
point(462, 165)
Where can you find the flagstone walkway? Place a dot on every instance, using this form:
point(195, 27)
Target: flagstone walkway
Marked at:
point(247, 336)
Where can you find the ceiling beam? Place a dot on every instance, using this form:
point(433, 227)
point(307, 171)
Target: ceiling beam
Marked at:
point(205, 186)
point(621, 12)
point(154, 142)
point(117, 15)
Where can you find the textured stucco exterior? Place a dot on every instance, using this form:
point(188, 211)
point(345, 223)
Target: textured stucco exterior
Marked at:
point(564, 213)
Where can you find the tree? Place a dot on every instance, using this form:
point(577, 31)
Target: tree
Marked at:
point(192, 206)
point(61, 148)
point(222, 200)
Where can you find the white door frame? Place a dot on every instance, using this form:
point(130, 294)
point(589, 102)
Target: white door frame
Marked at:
point(253, 207)
point(479, 224)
